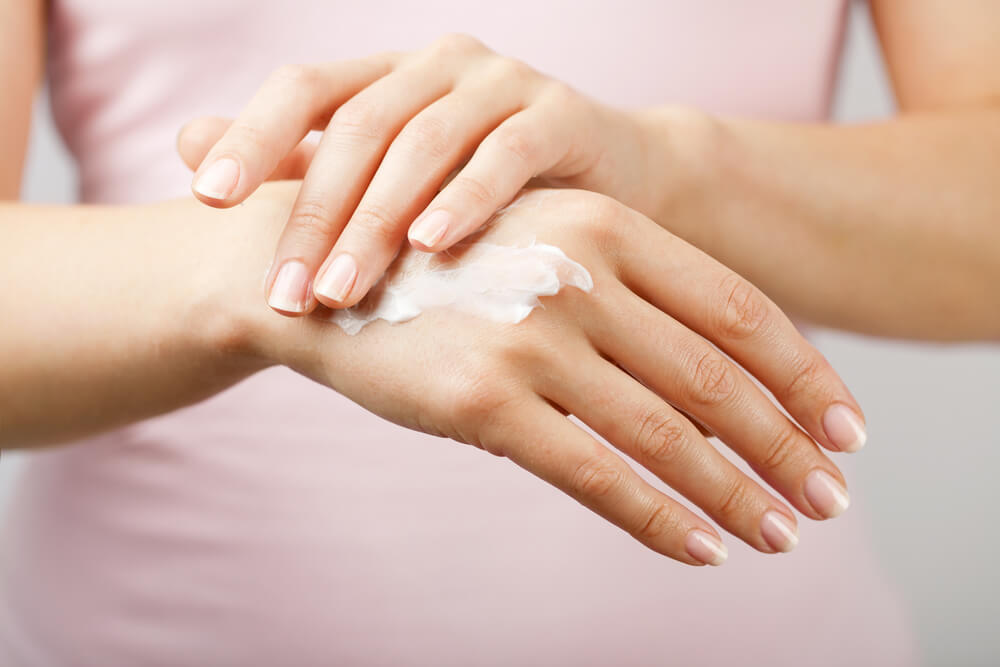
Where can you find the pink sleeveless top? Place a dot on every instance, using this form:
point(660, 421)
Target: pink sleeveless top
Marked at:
point(278, 523)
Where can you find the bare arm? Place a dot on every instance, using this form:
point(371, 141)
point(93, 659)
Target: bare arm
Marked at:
point(105, 314)
point(110, 315)
point(889, 228)
point(21, 48)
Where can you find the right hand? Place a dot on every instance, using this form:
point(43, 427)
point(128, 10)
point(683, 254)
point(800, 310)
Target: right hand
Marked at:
point(631, 359)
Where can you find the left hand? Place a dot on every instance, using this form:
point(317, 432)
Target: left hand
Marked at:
point(396, 126)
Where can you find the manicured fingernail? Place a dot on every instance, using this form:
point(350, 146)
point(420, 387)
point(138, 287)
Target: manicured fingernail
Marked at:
point(825, 494)
point(706, 548)
point(844, 428)
point(338, 279)
point(778, 531)
point(290, 289)
point(219, 180)
point(431, 228)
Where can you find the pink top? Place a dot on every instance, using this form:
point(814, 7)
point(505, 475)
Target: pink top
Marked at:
point(280, 524)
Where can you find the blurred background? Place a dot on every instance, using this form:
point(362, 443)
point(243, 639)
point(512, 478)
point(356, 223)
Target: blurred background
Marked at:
point(928, 475)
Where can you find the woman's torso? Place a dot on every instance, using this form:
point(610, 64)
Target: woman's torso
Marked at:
point(278, 523)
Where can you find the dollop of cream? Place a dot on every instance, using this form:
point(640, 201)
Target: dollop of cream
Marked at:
point(495, 282)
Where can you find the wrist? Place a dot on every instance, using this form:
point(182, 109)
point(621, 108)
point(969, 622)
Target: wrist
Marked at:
point(228, 313)
point(682, 157)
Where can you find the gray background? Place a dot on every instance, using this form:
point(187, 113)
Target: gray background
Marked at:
point(927, 474)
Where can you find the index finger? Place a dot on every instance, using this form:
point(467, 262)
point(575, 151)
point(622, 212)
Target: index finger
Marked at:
point(294, 100)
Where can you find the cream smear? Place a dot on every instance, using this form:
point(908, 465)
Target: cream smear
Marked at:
point(495, 282)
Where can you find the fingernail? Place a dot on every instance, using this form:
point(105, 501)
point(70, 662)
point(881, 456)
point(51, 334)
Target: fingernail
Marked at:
point(430, 229)
point(778, 531)
point(706, 548)
point(339, 277)
point(219, 180)
point(844, 428)
point(825, 494)
point(290, 289)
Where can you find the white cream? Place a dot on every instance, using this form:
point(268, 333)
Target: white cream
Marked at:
point(496, 282)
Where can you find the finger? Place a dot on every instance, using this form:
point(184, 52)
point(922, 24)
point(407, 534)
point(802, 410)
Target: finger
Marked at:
point(733, 314)
point(197, 137)
point(293, 101)
point(640, 424)
point(349, 152)
point(428, 148)
point(688, 372)
point(551, 447)
point(525, 145)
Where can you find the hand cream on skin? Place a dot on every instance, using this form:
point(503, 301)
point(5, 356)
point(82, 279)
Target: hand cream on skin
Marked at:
point(495, 282)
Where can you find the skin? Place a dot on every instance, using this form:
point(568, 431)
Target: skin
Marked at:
point(101, 377)
point(162, 301)
point(888, 228)
point(138, 349)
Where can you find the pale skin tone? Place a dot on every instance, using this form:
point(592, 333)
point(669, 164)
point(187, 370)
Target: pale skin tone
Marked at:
point(135, 349)
point(888, 228)
point(133, 280)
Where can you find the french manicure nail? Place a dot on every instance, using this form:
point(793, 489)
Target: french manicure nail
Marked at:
point(290, 289)
point(844, 428)
point(705, 547)
point(431, 229)
point(778, 531)
point(338, 279)
point(825, 494)
point(219, 180)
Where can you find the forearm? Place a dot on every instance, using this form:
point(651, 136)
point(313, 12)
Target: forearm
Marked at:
point(890, 228)
point(112, 314)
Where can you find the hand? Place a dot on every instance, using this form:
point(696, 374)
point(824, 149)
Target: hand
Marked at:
point(395, 126)
point(630, 359)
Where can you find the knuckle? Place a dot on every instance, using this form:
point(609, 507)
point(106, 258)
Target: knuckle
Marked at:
point(604, 211)
point(313, 220)
point(745, 311)
point(476, 398)
point(518, 143)
point(807, 374)
point(457, 43)
point(560, 92)
point(429, 135)
point(660, 438)
point(596, 477)
point(509, 69)
point(780, 450)
point(734, 501)
point(378, 225)
point(358, 118)
point(529, 345)
point(711, 379)
point(298, 76)
point(658, 521)
point(482, 193)
point(596, 217)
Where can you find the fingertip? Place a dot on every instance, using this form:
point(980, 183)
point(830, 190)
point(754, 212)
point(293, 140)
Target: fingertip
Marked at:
point(215, 184)
point(289, 293)
point(705, 548)
point(336, 285)
point(780, 531)
point(428, 231)
point(334, 304)
point(844, 428)
point(208, 201)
